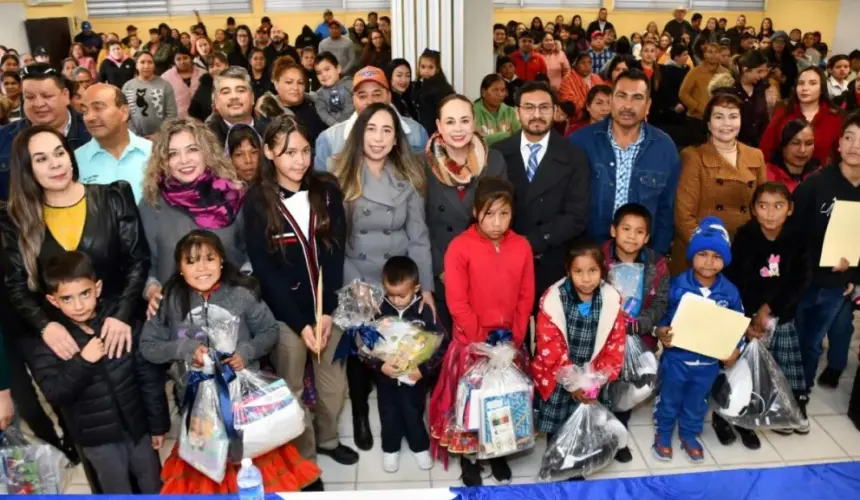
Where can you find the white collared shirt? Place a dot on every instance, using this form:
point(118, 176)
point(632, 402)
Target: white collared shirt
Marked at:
point(527, 152)
point(835, 88)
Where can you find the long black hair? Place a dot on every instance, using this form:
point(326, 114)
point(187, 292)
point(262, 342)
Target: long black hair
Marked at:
point(790, 130)
point(190, 246)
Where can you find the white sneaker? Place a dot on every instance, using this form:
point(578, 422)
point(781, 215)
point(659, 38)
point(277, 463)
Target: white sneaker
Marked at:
point(424, 460)
point(391, 462)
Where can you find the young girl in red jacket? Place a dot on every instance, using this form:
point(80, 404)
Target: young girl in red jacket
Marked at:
point(580, 322)
point(489, 282)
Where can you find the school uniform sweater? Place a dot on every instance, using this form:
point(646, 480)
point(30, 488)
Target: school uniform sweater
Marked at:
point(775, 272)
point(813, 203)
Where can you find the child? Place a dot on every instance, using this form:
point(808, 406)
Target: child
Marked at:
point(581, 321)
point(308, 57)
point(508, 71)
point(115, 407)
point(431, 87)
point(489, 282)
point(771, 269)
point(401, 406)
point(630, 232)
point(208, 287)
point(687, 377)
point(334, 98)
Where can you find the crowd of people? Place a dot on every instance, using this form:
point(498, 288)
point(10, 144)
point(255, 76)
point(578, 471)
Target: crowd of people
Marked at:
point(149, 185)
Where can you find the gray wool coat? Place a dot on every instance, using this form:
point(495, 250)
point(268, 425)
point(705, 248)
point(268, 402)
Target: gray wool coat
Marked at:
point(387, 220)
point(447, 215)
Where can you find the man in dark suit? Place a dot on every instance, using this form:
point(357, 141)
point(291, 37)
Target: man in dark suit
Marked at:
point(551, 180)
point(600, 24)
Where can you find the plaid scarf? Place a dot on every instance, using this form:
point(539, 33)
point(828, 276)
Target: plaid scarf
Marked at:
point(212, 202)
point(449, 172)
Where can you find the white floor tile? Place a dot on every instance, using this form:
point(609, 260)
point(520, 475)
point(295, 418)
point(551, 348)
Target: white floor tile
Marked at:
point(643, 435)
point(404, 485)
point(339, 486)
point(78, 489)
point(643, 414)
point(843, 431)
point(438, 472)
point(76, 475)
point(344, 424)
point(370, 468)
point(826, 401)
point(817, 445)
point(736, 453)
point(445, 483)
point(333, 472)
point(527, 463)
point(763, 465)
point(793, 463)
point(684, 470)
point(631, 468)
point(619, 475)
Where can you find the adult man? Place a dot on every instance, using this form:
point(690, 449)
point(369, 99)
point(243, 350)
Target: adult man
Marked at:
point(280, 47)
point(324, 29)
point(551, 181)
point(372, 20)
point(631, 162)
point(12, 89)
point(131, 30)
point(46, 102)
point(368, 86)
point(678, 26)
point(41, 55)
point(341, 47)
point(696, 23)
point(231, 28)
point(735, 33)
point(385, 27)
point(114, 153)
point(266, 23)
point(528, 64)
point(600, 24)
point(600, 54)
point(92, 41)
point(576, 84)
point(261, 39)
point(233, 100)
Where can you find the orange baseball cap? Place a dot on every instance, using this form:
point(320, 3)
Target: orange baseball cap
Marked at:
point(369, 74)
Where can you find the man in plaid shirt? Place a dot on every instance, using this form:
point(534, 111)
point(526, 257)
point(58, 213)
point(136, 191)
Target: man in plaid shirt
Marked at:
point(600, 54)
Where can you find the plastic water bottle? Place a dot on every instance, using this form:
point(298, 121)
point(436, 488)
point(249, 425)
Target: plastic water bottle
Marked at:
point(250, 482)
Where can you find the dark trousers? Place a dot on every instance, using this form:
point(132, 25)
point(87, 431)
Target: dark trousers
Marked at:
point(126, 467)
point(401, 413)
point(623, 417)
point(823, 312)
point(359, 377)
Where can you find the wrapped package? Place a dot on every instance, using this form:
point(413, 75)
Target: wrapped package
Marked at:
point(494, 399)
point(265, 412)
point(629, 280)
point(754, 394)
point(589, 439)
point(203, 441)
point(357, 303)
point(638, 377)
point(29, 466)
point(405, 344)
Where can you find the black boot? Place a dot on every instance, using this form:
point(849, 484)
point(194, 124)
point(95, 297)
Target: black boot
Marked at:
point(623, 455)
point(361, 432)
point(343, 455)
point(749, 438)
point(829, 378)
point(723, 430)
point(472, 472)
point(315, 486)
point(501, 470)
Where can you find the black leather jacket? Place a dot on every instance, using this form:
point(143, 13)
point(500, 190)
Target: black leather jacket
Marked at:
point(112, 237)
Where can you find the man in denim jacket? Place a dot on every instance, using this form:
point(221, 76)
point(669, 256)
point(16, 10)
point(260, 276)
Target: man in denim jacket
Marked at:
point(631, 162)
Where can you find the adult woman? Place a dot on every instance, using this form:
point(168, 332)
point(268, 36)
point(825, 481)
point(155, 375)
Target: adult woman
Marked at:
point(358, 33)
point(377, 53)
point(185, 41)
point(717, 178)
point(243, 148)
point(577, 28)
point(188, 184)
point(780, 54)
point(618, 65)
point(382, 185)
point(67, 67)
point(290, 98)
point(537, 27)
point(598, 105)
point(399, 74)
point(150, 98)
point(810, 101)
point(556, 61)
point(161, 50)
point(201, 103)
point(203, 48)
point(77, 53)
point(258, 71)
point(648, 57)
point(241, 53)
point(652, 29)
point(766, 29)
point(794, 161)
point(290, 199)
point(222, 43)
point(751, 88)
point(494, 119)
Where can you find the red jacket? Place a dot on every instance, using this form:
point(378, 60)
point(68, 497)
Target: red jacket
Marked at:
point(528, 70)
point(551, 351)
point(827, 124)
point(779, 174)
point(487, 289)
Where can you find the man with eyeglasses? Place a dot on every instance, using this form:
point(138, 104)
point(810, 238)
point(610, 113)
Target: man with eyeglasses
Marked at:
point(551, 181)
point(631, 162)
point(46, 102)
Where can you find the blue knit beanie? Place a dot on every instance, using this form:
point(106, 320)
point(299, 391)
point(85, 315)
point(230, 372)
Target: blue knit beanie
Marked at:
point(711, 235)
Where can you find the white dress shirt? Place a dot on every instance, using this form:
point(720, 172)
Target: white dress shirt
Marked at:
point(527, 152)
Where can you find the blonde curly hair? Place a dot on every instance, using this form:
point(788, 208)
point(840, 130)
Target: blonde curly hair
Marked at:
point(213, 156)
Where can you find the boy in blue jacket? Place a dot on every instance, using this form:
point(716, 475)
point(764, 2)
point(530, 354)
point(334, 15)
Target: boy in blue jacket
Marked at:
point(687, 377)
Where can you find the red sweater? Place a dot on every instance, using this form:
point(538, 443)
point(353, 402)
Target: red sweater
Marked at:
point(778, 174)
point(529, 70)
point(487, 289)
point(827, 124)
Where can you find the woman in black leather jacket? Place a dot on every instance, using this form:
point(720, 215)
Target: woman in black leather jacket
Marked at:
point(49, 212)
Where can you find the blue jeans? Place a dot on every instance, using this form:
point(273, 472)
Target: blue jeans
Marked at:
point(823, 311)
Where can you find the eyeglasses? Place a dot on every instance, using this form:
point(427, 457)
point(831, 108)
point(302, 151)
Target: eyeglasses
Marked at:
point(544, 109)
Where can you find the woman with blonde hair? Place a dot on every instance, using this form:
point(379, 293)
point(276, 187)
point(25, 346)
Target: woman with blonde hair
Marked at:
point(383, 188)
point(188, 184)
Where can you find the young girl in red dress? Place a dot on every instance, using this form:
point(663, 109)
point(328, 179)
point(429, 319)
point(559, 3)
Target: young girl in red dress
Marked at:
point(489, 283)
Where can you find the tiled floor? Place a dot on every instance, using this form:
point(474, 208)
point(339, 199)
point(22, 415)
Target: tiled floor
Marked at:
point(833, 438)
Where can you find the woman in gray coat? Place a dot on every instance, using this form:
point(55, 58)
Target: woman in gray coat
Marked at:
point(456, 158)
point(382, 185)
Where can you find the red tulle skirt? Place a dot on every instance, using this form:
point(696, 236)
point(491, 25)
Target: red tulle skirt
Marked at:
point(283, 470)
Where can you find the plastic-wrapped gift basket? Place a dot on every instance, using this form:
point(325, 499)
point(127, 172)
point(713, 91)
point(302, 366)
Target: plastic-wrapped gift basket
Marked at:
point(29, 466)
point(357, 303)
point(638, 378)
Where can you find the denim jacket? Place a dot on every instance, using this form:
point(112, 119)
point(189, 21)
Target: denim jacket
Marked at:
point(652, 182)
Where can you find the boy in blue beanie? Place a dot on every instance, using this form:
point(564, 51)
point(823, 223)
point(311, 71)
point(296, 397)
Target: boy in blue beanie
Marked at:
point(687, 377)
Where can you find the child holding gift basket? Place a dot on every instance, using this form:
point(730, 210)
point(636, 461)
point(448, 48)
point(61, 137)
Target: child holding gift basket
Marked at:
point(687, 377)
point(489, 275)
point(205, 293)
